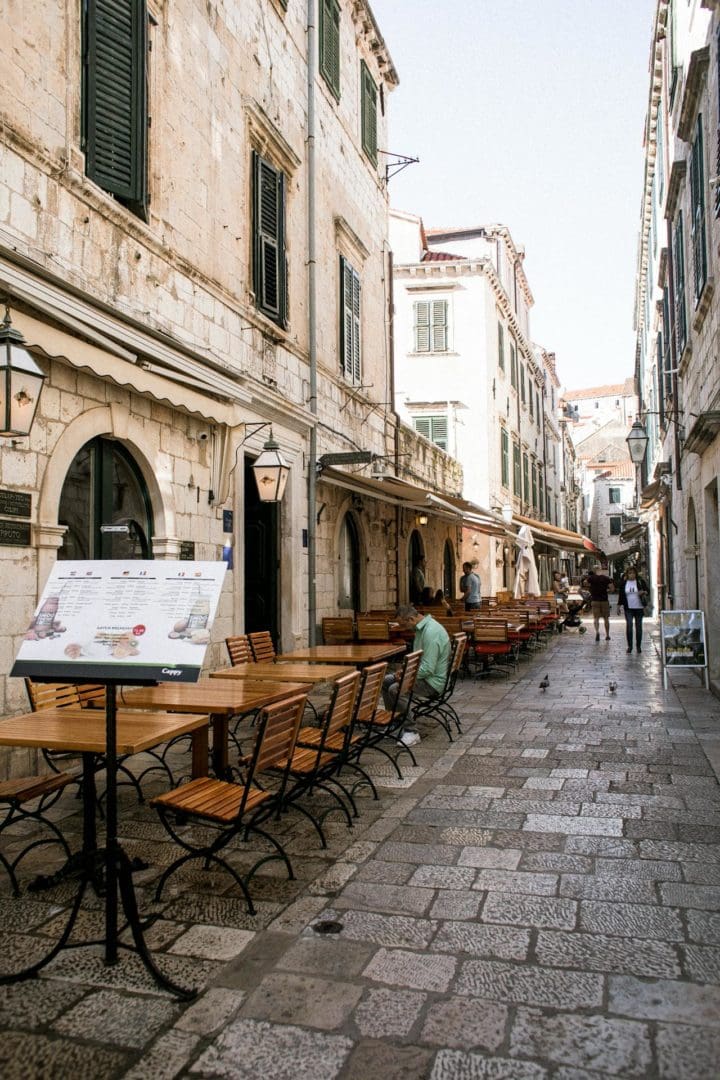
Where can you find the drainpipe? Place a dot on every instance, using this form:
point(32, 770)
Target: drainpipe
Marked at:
point(395, 416)
point(312, 322)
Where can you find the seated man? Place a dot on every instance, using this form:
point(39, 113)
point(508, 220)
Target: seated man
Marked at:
point(434, 641)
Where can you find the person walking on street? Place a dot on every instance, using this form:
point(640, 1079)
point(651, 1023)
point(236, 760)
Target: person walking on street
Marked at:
point(470, 588)
point(434, 641)
point(600, 585)
point(632, 598)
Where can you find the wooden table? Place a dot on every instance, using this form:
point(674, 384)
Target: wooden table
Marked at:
point(83, 731)
point(222, 699)
point(312, 674)
point(356, 655)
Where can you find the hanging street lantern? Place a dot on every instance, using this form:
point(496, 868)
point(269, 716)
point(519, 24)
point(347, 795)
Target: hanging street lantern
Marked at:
point(271, 472)
point(637, 441)
point(21, 381)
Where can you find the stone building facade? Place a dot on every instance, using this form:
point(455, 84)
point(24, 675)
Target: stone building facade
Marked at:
point(678, 315)
point(469, 377)
point(193, 242)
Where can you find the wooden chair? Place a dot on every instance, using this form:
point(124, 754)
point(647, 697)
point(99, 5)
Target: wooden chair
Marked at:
point(349, 744)
point(338, 631)
point(317, 763)
point(440, 708)
point(386, 725)
point(88, 696)
point(372, 629)
point(226, 809)
point(239, 650)
point(26, 800)
point(261, 644)
point(490, 642)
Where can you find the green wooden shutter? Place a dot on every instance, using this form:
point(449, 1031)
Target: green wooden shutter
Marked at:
point(679, 267)
point(439, 427)
point(504, 458)
point(368, 113)
point(422, 325)
point(422, 425)
point(115, 98)
point(439, 325)
point(350, 321)
point(697, 198)
point(501, 347)
point(330, 44)
point(269, 271)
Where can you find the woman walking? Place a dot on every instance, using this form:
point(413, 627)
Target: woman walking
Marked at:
point(632, 599)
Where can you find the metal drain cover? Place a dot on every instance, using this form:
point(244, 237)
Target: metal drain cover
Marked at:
point(327, 926)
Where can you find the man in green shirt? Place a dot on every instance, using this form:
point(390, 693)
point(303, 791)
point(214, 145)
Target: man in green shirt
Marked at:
point(434, 641)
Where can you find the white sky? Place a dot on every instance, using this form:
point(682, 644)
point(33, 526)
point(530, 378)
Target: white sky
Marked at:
point(531, 113)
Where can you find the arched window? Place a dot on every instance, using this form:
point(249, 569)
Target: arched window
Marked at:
point(105, 505)
point(416, 567)
point(449, 571)
point(349, 595)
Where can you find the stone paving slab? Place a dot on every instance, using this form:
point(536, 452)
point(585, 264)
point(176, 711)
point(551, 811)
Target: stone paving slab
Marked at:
point(539, 899)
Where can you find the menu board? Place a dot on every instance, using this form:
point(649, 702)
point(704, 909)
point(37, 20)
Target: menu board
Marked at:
point(129, 621)
point(682, 638)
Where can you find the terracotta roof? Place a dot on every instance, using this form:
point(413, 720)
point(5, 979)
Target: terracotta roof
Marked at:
point(612, 390)
point(442, 256)
point(616, 470)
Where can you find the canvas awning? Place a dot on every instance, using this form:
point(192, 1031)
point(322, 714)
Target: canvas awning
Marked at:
point(562, 539)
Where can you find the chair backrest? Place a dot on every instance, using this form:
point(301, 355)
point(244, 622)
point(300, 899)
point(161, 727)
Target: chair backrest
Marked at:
point(371, 681)
point(495, 631)
point(61, 695)
point(338, 631)
point(458, 645)
point(239, 650)
point(370, 628)
point(277, 728)
point(408, 677)
point(262, 646)
point(342, 705)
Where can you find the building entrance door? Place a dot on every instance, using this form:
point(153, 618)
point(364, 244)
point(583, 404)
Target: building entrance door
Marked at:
point(105, 505)
point(262, 560)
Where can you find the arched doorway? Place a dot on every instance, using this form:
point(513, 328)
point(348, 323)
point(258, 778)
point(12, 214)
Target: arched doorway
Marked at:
point(416, 567)
point(693, 563)
point(105, 505)
point(349, 591)
point(262, 559)
point(448, 571)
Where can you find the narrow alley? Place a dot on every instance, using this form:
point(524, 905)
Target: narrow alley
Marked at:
point(539, 899)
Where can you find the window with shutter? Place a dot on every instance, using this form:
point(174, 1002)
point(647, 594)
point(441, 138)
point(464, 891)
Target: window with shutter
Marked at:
point(269, 263)
point(526, 479)
point(678, 255)
point(522, 383)
point(501, 347)
point(434, 428)
point(114, 99)
point(517, 482)
point(350, 342)
point(329, 41)
point(431, 325)
point(368, 112)
point(697, 202)
point(513, 366)
point(504, 458)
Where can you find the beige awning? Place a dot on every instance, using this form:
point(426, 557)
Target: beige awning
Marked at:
point(52, 342)
point(562, 539)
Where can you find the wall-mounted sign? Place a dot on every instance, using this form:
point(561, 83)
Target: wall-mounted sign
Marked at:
point(127, 621)
point(187, 549)
point(15, 503)
point(115, 529)
point(15, 533)
point(682, 639)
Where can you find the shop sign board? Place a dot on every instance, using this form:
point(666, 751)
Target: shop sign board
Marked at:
point(126, 621)
point(682, 640)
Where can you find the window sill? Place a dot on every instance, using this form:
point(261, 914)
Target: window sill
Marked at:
point(435, 352)
point(703, 305)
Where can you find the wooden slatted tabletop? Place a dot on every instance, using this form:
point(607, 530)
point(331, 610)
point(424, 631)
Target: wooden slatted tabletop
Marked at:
point(283, 671)
point(357, 655)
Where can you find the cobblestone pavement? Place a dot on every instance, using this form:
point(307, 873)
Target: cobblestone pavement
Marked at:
point(540, 898)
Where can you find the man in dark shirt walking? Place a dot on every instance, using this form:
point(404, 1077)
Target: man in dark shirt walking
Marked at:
point(600, 585)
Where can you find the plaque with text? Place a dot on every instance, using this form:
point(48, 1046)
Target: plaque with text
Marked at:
point(15, 533)
point(15, 503)
point(128, 621)
point(187, 549)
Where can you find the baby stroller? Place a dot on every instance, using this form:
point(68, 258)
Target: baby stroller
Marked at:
point(576, 604)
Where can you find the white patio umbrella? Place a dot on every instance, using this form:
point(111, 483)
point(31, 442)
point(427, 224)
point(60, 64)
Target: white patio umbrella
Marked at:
point(526, 578)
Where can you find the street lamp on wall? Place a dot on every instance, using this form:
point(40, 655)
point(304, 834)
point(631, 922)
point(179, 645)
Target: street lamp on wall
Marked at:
point(21, 381)
point(637, 442)
point(271, 472)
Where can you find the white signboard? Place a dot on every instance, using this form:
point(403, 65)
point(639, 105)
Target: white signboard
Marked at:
point(682, 638)
point(130, 621)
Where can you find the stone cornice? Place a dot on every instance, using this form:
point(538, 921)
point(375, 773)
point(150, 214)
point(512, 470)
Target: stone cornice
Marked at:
point(697, 69)
point(364, 21)
point(675, 185)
